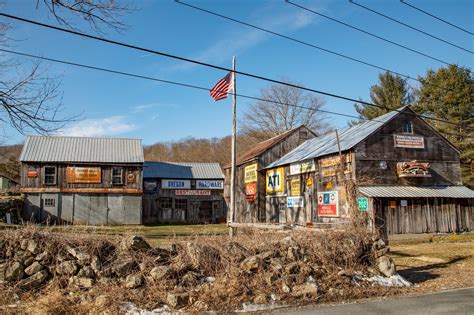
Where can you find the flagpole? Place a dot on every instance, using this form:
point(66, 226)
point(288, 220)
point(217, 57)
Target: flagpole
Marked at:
point(233, 230)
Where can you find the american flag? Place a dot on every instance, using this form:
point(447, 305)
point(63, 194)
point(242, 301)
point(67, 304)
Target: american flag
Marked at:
point(222, 88)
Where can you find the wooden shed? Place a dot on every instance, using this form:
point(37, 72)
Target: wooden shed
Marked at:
point(82, 180)
point(396, 170)
point(250, 195)
point(183, 193)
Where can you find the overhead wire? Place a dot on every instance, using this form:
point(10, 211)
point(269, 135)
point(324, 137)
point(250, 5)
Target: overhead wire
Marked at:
point(139, 76)
point(436, 17)
point(364, 31)
point(410, 27)
point(250, 75)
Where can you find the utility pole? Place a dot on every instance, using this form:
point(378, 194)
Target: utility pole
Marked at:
point(233, 230)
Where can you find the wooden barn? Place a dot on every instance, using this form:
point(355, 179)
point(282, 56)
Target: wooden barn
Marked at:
point(82, 180)
point(396, 170)
point(250, 195)
point(183, 193)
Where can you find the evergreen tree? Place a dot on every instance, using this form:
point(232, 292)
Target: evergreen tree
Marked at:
point(392, 91)
point(448, 94)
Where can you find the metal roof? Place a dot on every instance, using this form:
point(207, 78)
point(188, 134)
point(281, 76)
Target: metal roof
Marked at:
point(327, 144)
point(82, 149)
point(174, 170)
point(417, 191)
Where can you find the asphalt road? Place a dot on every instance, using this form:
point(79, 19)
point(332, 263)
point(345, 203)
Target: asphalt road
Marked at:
point(458, 301)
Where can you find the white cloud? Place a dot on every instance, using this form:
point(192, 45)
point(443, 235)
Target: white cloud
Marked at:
point(107, 126)
point(143, 107)
point(241, 39)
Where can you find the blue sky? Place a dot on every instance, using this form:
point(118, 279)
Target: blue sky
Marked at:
point(126, 107)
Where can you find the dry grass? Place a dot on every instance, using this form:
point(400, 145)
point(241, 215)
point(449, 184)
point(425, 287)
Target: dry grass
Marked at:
point(321, 256)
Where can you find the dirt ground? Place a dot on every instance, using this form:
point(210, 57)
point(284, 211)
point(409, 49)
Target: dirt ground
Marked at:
point(435, 263)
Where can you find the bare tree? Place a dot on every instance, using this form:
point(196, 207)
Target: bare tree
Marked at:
point(99, 14)
point(287, 108)
point(30, 99)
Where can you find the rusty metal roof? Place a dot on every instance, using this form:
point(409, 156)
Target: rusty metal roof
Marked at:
point(81, 150)
point(327, 144)
point(174, 170)
point(417, 191)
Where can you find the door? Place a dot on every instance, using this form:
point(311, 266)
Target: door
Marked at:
point(205, 212)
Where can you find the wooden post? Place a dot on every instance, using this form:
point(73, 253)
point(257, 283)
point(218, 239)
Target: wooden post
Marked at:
point(233, 229)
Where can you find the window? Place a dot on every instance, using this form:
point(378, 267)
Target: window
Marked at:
point(49, 175)
point(181, 204)
point(407, 127)
point(166, 203)
point(117, 176)
point(49, 202)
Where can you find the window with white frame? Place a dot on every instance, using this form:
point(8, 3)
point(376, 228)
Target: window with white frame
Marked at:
point(407, 127)
point(50, 175)
point(117, 176)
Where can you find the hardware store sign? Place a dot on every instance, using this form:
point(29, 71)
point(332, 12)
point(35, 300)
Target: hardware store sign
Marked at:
point(85, 175)
point(209, 184)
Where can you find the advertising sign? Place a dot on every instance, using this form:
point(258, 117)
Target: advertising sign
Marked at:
point(83, 175)
point(180, 192)
point(150, 185)
point(250, 173)
point(294, 202)
point(131, 178)
point(413, 169)
point(406, 141)
point(274, 180)
point(175, 184)
point(328, 172)
point(363, 204)
point(302, 167)
point(251, 189)
point(32, 174)
point(209, 184)
point(328, 204)
point(295, 187)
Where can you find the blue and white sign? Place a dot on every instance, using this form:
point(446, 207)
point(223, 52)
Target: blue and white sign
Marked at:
point(175, 184)
point(209, 184)
point(295, 202)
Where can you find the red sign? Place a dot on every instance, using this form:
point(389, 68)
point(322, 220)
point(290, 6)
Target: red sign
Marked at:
point(32, 174)
point(250, 191)
point(328, 204)
point(192, 192)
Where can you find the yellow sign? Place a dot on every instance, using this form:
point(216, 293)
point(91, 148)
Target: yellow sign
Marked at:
point(250, 174)
point(309, 182)
point(295, 187)
point(274, 180)
point(83, 175)
point(328, 172)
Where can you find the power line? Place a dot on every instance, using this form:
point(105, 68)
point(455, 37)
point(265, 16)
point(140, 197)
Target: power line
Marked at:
point(138, 76)
point(308, 44)
point(410, 27)
point(436, 17)
point(364, 31)
point(250, 75)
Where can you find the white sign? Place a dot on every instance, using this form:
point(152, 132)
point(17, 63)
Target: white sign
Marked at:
point(295, 202)
point(328, 204)
point(192, 192)
point(175, 184)
point(406, 141)
point(302, 167)
point(209, 184)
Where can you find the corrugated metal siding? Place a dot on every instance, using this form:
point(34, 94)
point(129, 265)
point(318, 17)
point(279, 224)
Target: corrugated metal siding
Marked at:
point(182, 170)
point(327, 144)
point(82, 149)
point(417, 192)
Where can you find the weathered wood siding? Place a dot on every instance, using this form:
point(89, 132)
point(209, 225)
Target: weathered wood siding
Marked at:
point(443, 157)
point(424, 215)
point(252, 212)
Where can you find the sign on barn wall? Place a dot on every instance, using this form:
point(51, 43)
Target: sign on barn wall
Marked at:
point(328, 204)
point(180, 192)
point(209, 184)
point(302, 167)
point(294, 202)
point(83, 175)
point(250, 173)
point(250, 191)
point(175, 184)
point(32, 174)
point(407, 141)
point(274, 180)
point(150, 185)
point(413, 169)
point(363, 203)
point(295, 187)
